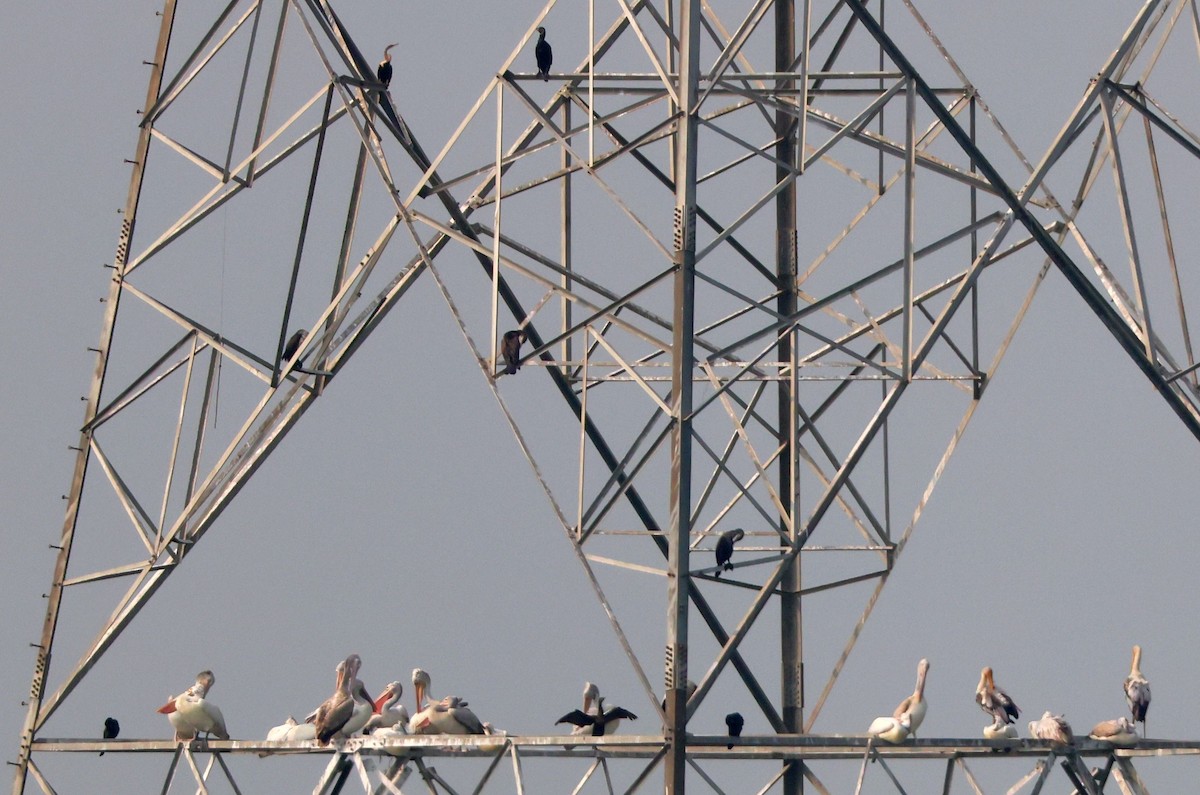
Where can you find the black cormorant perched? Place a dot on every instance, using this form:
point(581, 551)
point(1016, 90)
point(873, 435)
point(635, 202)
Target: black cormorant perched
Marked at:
point(545, 56)
point(293, 344)
point(600, 721)
point(725, 549)
point(111, 730)
point(735, 722)
point(510, 347)
point(384, 70)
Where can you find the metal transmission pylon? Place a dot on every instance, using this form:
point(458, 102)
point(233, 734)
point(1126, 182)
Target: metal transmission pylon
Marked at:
point(765, 263)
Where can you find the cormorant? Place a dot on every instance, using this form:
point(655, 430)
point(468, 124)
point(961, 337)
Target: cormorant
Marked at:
point(545, 56)
point(111, 730)
point(510, 346)
point(293, 344)
point(735, 722)
point(725, 549)
point(600, 721)
point(384, 70)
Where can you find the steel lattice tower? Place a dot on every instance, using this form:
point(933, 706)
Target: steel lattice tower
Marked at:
point(781, 262)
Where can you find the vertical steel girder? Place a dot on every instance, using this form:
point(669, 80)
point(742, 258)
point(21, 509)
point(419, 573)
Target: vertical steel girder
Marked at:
point(685, 142)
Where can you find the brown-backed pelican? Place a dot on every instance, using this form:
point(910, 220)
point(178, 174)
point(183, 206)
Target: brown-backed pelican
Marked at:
point(1137, 690)
point(336, 710)
point(994, 701)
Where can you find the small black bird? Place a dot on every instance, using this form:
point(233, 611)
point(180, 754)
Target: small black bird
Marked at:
point(384, 70)
point(544, 55)
point(602, 722)
point(293, 344)
point(725, 549)
point(735, 722)
point(111, 730)
point(510, 346)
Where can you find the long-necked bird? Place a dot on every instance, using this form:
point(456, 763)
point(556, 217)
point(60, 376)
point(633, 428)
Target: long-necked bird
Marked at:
point(725, 548)
point(1052, 728)
point(111, 730)
point(915, 705)
point(450, 715)
point(591, 694)
point(603, 721)
point(384, 70)
point(510, 347)
point(734, 722)
point(994, 701)
point(192, 714)
point(336, 710)
point(388, 711)
point(1137, 690)
point(544, 55)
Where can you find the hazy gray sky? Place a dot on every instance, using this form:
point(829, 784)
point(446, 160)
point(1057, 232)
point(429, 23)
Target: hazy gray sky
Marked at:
point(399, 521)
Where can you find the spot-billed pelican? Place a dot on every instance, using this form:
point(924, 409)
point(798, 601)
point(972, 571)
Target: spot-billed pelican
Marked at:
point(1137, 690)
point(994, 701)
point(1052, 728)
point(891, 729)
point(915, 705)
point(1119, 732)
point(191, 713)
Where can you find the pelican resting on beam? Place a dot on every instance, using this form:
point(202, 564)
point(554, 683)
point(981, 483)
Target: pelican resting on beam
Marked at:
point(191, 713)
point(915, 705)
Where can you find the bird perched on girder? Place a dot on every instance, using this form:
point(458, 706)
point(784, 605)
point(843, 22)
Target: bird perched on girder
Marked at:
point(510, 347)
point(293, 344)
point(603, 721)
point(1053, 729)
point(734, 722)
point(994, 701)
point(725, 548)
point(1137, 690)
point(111, 730)
point(384, 70)
point(544, 55)
point(1119, 732)
point(915, 705)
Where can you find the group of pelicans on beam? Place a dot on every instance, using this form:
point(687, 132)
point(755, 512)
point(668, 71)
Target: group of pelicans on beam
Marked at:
point(351, 711)
point(1051, 728)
